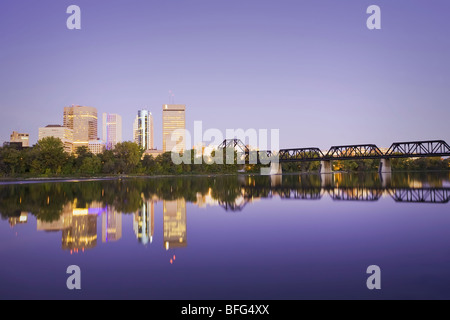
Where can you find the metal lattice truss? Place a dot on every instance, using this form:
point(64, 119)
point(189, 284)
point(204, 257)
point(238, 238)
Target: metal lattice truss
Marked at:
point(355, 194)
point(402, 195)
point(421, 195)
point(300, 154)
point(367, 151)
point(300, 194)
point(236, 144)
point(438, 148)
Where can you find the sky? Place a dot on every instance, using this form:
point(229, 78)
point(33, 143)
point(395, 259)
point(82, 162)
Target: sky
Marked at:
point(311, 69)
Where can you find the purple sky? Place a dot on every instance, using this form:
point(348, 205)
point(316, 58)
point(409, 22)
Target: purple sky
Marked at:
point(310, 68)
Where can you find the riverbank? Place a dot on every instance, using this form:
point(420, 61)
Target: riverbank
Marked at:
point(30, 180)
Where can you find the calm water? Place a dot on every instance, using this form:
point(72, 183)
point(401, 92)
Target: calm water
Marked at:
point(232, 237)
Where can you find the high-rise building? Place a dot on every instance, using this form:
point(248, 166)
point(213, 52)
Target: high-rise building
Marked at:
point(23, 138)
point(112, 130)
point(143, 130)
point(175, 230)
point(62, 133)
point(174, 119)
point(83, 122)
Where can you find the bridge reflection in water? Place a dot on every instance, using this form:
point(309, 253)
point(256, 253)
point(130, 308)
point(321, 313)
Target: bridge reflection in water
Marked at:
point(331, 186)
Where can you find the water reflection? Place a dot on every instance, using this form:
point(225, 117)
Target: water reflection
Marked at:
point(74, 209)
point(175, 224)
point(111, 225)
point(144, 222)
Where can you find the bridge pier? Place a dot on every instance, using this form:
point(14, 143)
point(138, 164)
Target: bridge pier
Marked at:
point(326, 167)
point(385, 166)
point(275, 168)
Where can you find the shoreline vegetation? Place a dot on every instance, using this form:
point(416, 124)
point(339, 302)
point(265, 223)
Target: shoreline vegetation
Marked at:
point(47, 161)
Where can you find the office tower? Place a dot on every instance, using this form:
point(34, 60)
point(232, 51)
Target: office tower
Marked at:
point(62, 133)
point(83, 122)
point(174, 223)
point(23, 138)
point(143, 130)
point(112, 130)
point(144, 222)
point(174, 119)
point(111, 225)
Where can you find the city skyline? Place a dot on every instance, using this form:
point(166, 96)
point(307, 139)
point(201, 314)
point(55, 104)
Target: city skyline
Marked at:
point(275, 68)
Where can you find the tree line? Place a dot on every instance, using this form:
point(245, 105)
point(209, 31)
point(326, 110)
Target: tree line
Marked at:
point(48, 158)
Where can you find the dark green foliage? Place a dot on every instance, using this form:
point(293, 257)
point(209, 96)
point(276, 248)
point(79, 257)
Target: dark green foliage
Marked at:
point(48, 159)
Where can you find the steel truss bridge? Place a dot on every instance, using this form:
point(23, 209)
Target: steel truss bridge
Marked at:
point(415, 149)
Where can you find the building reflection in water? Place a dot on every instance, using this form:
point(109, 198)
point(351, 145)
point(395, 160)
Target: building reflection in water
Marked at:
point(81, 233)
point(22, 219)
point(175, 235)
point(78, 225)
point(144, 222)
point(111, 225)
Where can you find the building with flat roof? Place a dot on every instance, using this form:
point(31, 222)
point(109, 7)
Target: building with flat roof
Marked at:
point(96, 146)
point(143, 130)
point(112, 130)
point(23, 138)
point(60, 132)
point(174, 124)
point(83, 122)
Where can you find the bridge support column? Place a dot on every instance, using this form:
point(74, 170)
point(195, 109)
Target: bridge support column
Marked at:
point(325, 167)
point(385, 166)
point(275, 168)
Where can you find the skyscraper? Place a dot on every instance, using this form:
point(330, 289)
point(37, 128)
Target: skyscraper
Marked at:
point(83, 122)
point(143, 130)
point(174, 119)
point(112, 130)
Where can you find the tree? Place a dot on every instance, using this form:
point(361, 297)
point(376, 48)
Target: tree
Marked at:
point(128, 156)
point(50, 155)
point(91, 165)
point(149, 164)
